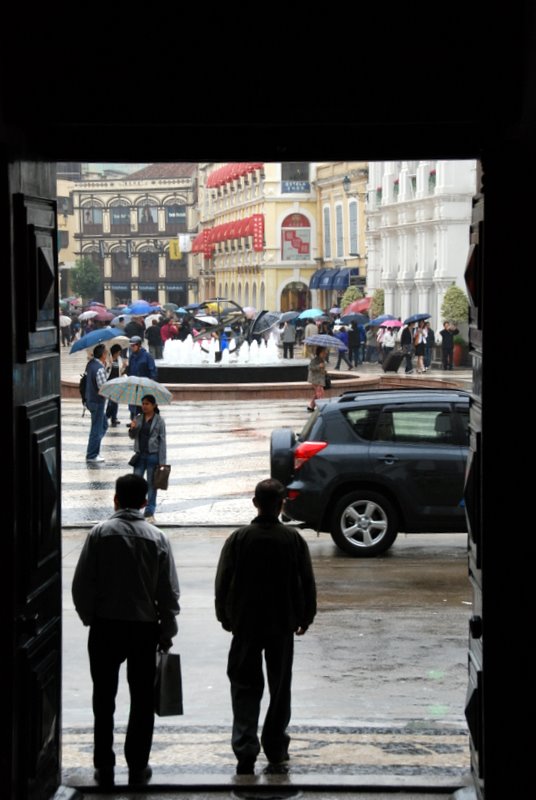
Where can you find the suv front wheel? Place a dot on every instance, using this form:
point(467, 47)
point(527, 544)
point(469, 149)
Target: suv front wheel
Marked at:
point(364, 523)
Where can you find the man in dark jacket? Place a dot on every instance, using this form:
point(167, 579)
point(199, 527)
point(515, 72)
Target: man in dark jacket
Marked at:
point(406, 343)
point(96, 403)
point(265, 593)
point(126, 589)
point(447, 343)
point(140, 363)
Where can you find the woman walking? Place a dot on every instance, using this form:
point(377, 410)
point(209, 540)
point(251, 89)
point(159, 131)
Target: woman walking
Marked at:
point(148, 430)
point(419, 340)
point(316, 375)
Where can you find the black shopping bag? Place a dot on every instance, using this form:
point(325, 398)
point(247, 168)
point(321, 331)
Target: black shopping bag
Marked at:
point(168, 685)
point(161, 476)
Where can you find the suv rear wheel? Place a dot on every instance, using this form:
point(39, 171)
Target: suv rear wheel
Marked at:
point(364, 523)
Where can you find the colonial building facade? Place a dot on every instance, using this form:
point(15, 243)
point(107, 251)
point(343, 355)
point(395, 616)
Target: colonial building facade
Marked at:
point(418, 218)
point(269, 231)
point(137, 229)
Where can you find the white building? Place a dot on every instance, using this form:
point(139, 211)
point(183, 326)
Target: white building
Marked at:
point(418, 218)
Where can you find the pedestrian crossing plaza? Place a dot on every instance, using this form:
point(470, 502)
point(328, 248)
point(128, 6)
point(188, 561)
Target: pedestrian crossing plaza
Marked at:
point(218, 451)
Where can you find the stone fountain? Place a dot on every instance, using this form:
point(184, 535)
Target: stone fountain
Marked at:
point(202, 361)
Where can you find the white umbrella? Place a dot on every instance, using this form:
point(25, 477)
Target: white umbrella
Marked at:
point(130, 389)
point(88, 314)
point(65, 321)
point(149, 319)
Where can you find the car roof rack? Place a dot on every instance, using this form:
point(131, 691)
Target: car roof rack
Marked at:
point(351, 395)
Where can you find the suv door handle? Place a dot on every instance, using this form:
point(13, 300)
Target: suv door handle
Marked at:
point(388, 459)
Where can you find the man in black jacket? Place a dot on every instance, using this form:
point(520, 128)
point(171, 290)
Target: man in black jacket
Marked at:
point(406, 343)
point(265, 593)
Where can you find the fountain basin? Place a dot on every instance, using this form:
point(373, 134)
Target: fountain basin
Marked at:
point(293, 370)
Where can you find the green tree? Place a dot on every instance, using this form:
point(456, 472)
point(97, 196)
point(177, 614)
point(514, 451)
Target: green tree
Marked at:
point(85, 278)
point(378, 303)
point(455, 306)
point(351, 294)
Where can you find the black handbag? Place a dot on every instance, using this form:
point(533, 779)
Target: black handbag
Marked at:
point(161, 476)
point(134, 460)
point(327, 384)
point(168, 685)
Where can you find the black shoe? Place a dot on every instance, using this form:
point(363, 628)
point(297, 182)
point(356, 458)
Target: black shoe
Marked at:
point(245, 767)
point(139, 776)
point(104, 776)
point(114, 423)
point(309, 408)
point(276, 768)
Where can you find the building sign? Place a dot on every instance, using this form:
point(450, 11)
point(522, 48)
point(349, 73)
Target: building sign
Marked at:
point(293, 187)
point(295, 238)
point(176, 287)
point(147, 287)
point(120, 287)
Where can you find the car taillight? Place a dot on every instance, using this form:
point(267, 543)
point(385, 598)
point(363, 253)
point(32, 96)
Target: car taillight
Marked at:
point(305, 451)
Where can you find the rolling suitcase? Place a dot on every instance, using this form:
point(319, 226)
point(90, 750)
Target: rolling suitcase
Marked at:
point(393, 361)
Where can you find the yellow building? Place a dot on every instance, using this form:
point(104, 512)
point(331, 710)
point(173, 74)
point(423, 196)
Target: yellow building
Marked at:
point(280, 236)
point(258, 237)
point(66, 229)
point(341, 203)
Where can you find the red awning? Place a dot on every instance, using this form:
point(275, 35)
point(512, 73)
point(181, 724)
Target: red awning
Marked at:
point(230, 172)
point(237, 229)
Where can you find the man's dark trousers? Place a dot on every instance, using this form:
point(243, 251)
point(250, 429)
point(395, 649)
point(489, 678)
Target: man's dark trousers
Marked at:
point(247, 683)
point(110, 643)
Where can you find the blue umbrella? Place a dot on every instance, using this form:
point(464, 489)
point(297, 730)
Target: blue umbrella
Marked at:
point(140, 308)
point(93, 338)
point(382, 318)
point(311, 313)
point(416, 318)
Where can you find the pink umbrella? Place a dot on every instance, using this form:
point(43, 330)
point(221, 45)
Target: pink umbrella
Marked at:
point(391, 323)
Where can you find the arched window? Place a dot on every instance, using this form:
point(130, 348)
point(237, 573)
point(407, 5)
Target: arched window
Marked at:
point(327, 232)
point(175, 218)
point(119, 216)
point(353, 226)
point(121, 267)
point(339, 232)
point(295, 238)
point(148, 263)
point(147, 216)
point(91, 217)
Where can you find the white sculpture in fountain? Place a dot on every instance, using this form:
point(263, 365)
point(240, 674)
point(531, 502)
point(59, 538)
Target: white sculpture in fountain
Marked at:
point(188, 352)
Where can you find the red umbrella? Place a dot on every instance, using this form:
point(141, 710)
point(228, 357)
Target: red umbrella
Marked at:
point(358, 306)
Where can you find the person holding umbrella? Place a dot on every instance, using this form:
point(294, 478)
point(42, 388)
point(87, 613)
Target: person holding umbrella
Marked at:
point(316, 375)
point(148, 430)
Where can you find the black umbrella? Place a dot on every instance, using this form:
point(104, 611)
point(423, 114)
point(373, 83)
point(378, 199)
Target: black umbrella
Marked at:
point(265, 321)
point(289, 316)
point(416, 318)
point(325, 340)
point(359, 319)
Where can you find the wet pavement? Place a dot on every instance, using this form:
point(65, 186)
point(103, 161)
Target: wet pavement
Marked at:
point(379, 682)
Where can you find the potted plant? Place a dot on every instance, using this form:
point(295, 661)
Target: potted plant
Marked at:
point(461, 351)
